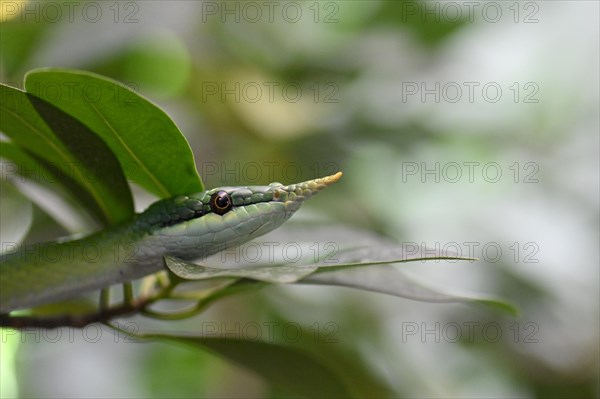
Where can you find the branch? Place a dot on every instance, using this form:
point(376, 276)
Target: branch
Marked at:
point(74, 320)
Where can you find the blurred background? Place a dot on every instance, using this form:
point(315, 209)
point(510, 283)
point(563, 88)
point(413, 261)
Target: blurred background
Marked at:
point(471, 126)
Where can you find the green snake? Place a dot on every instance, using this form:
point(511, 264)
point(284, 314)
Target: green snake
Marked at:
point(186, 227)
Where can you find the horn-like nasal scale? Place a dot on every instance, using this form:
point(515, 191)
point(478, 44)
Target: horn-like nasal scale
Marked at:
point(310, 187)
point(294, 195)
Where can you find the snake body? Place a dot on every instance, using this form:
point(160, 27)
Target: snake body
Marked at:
point(187, 227)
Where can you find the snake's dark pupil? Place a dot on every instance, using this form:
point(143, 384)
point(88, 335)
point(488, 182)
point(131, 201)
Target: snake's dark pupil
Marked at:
point(220, 202)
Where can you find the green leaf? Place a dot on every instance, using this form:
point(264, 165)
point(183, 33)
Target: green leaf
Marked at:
point(151, 149)
point(348, 271)
point(16, 213)
point(80, 160)
point(291, 372)
point(391, 281)
point(347, 268)
point(285, 274)
point(63, 207)
point(280, 274)
point(385, 253)
point(354, 363)
point(24, 165)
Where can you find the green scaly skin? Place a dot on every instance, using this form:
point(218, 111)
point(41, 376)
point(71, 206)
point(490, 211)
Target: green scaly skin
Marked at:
point(184, 226)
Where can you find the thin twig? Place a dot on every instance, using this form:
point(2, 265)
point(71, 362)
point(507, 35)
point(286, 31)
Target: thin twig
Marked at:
point(73, 320)
point(104, 313)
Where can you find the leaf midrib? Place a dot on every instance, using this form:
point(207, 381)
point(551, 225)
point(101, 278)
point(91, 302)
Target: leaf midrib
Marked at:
point(164, 191)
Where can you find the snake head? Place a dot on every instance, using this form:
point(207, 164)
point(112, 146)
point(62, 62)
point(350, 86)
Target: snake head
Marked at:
point(226, 216)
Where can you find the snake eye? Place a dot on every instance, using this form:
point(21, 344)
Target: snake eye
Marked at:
point(220, 202)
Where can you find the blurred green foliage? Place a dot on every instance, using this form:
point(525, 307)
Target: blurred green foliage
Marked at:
point(366, 129)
